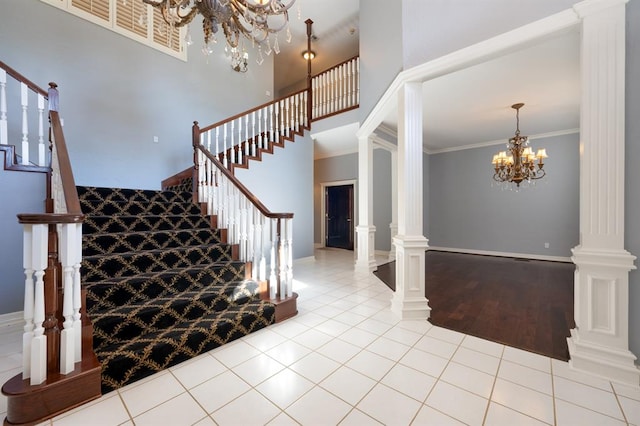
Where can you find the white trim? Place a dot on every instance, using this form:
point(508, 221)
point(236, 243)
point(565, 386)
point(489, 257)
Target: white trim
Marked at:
point(466, 57)
point(379, 143)
point(304, 260)
point(503, 254)
point(388, 130)
point(383, 253)
point(501, 141)
point(335, 154)
point(12, 319)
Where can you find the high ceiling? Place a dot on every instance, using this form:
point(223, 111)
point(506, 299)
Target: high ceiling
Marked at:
point(470, 107)
point(336, 38)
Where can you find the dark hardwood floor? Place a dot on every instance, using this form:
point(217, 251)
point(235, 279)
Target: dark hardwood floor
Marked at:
point(523, 303)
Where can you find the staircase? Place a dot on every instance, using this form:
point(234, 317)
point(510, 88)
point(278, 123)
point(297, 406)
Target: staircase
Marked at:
point(162, 285)
point(123, 283)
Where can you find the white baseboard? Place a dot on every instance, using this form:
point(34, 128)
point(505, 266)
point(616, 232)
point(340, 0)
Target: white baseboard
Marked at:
point(307, 259)
point(503, 254)
point(12, 319)
point(317, 245)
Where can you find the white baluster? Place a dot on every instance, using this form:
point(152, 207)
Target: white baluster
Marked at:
point(208, 137)
point(314, 96)
point(247, 147)
point(66, 250)
point(232, 144)
point(305, 111)
point(270, 115)
point(217, 141)
point(224, 149)
point(263, 261)
point(77, 295)
point(260, 136)
point(257, 228)
point(238, 148)
point(3, 108)
point(38, 374)
point(283, 258)
point(254, 147)
point(273, 281)
point(358, 80)
point(323, 94)
point(24, 101)
point(276, 125)
point(288, 124)
point(29, 284)
point(289, 225)
point(341, 102)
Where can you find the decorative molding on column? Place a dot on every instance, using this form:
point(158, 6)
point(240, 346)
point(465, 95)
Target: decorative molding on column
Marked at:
point(409, 301)
point(366, 258)
point(600, 342)
point(393, 228)
point(365, 230)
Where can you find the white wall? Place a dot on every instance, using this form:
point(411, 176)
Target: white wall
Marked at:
point(433, 28)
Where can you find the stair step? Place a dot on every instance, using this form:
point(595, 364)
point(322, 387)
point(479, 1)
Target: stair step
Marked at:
point(132, 195)
point(136, 207)
point(102, 244)
point(108, 294)
point(116, 224)
point(152, 352)
point(131, 263)
point(119, 325)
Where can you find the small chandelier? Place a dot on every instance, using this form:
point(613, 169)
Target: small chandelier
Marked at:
point(520, 162)
point(253, 19)
point(239, 60)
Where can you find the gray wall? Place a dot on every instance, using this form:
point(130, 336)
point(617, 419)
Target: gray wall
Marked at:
point(345, 167)
point(467, 212)
point(20, 192)
point(284, 183)
point(436, 27)
point(632, 171)
point(116, 94)
point(380, 49)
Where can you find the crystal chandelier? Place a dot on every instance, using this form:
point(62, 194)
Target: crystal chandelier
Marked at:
point(520, 162)
point(256, 20)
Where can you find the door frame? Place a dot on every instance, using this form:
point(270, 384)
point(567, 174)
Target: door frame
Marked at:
point(323, 208)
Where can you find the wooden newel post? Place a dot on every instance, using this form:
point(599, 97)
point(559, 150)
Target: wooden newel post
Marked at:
point(52, 287)
point(309, 23)
point(195, 138)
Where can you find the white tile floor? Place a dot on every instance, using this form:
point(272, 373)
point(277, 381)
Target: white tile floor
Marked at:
point(345, 359)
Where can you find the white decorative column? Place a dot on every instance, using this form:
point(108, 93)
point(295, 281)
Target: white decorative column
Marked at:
point(409, 301)
point(599, 343)
point(393, 226)
point(366, 260)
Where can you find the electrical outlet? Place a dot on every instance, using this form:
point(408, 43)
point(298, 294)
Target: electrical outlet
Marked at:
point(155, 139)
point(546, 245)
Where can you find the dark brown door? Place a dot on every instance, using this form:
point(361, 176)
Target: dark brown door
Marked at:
point(339, 216)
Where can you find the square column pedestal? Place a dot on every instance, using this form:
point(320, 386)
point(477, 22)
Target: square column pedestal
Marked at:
point(409, 301)
point(599, 343)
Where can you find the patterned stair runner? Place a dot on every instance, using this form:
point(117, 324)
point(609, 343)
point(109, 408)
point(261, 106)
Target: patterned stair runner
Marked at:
point(162, 285)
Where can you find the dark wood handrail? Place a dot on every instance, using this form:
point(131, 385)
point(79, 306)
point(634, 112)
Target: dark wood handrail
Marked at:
point(228, 120)
point(66, 174)
point(252, 198)
point(15, 74)
point(49, 218)
point(335, 66)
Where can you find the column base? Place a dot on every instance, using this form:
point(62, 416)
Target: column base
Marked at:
point(409, 301)
point(366, 256)
point(609, 363)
